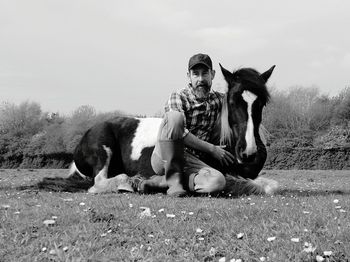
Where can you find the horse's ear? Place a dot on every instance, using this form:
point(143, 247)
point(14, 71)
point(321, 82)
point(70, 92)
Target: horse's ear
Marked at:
point(227, 74)
point(266, 75)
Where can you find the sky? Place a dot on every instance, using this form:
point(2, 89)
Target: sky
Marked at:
point(130, 55)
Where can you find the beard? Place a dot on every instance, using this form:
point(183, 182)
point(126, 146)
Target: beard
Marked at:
point(201, 91)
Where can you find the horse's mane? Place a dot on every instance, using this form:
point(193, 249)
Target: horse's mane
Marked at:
point(245, 79)
point(225, 130)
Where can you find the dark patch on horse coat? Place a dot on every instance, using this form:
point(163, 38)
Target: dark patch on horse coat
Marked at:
point(117, 134)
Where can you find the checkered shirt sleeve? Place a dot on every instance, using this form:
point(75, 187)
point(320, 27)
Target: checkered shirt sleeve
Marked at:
point(177, 103)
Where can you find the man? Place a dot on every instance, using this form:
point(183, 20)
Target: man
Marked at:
point(190, 115)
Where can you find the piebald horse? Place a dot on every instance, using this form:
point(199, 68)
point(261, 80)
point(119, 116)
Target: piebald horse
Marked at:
point(111, 152)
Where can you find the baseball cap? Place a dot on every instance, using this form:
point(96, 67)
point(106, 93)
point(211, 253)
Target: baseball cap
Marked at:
point(200, 59)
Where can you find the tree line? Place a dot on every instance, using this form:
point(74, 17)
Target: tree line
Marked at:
point(299, 117)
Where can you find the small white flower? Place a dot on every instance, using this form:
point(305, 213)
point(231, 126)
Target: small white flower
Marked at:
point(337, 207)
point(49, 222)
point(309, 248)
point(43, 249)
point(54, 217)
point(149, 248)
point(306, 212)
point(170, 215)
point(240, 235)
point(65, 249)
point(190, 213)
point(151, 236)
point(103, 234)
point(342, 211)
point(161, 210)
point(223, 259)
point(67, 199)
point(306, 230)
point(52, 252)
point(270, 239)
point(262, 259)
point(327, 253)
point(295, 239)
point(81, 204)
point(145, 213)
point(5, 206)
point(131, 205)
point(201, 238)
point(319, 258)
point(199, 230)
point(335, 201)
point(17, 212)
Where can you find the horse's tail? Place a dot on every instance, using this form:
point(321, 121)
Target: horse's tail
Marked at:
point(74, 182)
point(237, 186)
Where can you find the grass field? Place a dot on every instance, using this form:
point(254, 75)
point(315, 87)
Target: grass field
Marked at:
point(312, 207)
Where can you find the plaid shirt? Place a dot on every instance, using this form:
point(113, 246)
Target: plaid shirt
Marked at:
point(200, 114)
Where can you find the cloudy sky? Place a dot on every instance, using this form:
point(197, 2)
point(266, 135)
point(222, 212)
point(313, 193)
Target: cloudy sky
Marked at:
point(129, 55)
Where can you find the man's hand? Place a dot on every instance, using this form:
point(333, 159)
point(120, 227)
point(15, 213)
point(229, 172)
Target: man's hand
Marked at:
point(222, 155)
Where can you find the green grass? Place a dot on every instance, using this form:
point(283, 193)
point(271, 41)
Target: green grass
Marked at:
point(108, 227)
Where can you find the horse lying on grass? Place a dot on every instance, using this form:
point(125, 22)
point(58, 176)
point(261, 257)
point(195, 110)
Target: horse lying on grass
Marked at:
point(113, 151)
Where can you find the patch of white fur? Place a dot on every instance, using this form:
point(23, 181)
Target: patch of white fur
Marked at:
point(103, 184)
point(226, 131)
point(73, 168)
point(145, 135)
point(269, 186)
point(249, 97)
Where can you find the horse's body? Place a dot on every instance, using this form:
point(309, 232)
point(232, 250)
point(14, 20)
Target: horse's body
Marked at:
point(111, 152)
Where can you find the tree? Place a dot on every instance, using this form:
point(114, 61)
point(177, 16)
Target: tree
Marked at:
point(24, 120)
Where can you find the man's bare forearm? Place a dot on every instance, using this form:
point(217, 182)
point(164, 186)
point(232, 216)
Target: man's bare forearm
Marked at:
point(194, 142)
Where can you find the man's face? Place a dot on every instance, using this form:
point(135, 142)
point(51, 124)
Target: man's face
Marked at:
point(201, 78)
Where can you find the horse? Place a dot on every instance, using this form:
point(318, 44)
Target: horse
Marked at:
point(111, 152)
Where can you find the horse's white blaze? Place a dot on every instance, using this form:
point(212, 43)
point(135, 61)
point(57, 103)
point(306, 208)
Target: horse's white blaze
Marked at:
point(145, 135)
point(249, 97)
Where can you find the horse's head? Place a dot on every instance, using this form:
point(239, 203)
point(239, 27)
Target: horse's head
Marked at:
point(245, 99)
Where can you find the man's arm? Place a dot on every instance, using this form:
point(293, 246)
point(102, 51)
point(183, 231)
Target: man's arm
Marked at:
point(217, 152)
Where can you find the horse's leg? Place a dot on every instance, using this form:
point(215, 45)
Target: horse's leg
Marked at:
point(104, 184)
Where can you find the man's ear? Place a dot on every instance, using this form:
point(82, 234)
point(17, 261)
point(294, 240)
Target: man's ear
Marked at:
point(212, 74)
